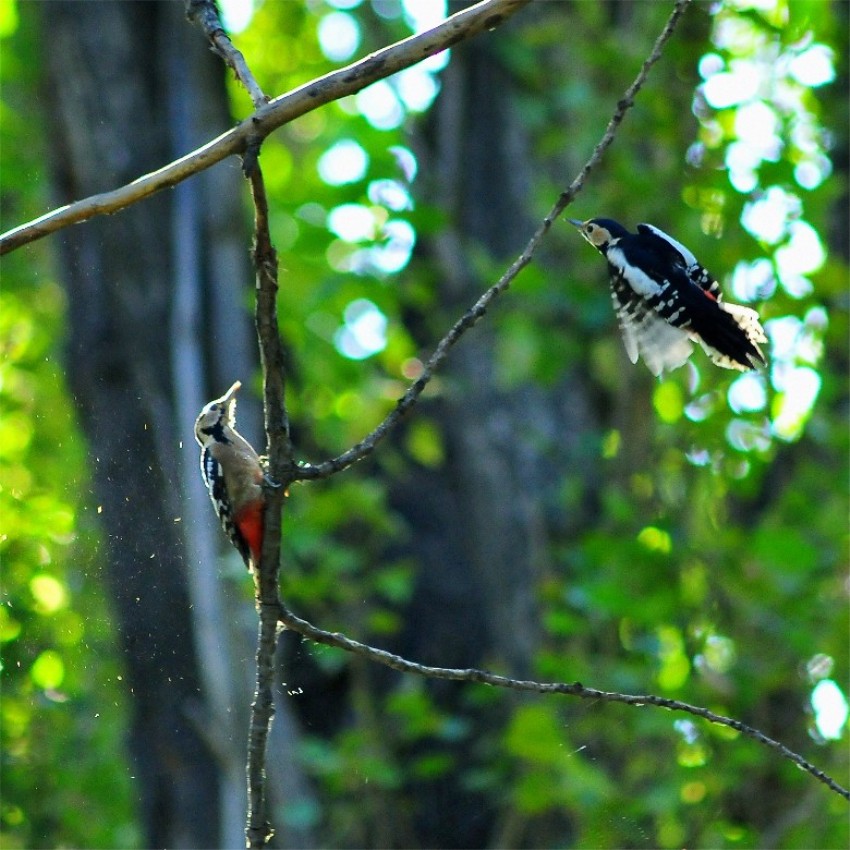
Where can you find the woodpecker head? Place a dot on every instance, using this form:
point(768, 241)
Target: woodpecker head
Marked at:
point(600, 232)
point(216, 415)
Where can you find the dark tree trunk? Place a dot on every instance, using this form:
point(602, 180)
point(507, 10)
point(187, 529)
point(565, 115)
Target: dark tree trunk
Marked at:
point(132, 86)
point(482, 530)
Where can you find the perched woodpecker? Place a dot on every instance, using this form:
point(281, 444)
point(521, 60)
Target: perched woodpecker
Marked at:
point(233, 474)
point(665, 301)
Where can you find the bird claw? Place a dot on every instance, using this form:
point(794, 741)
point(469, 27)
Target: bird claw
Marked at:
point(271, 482)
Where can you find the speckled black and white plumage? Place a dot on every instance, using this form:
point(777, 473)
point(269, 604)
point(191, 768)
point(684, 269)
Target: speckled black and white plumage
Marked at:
point(233, 475)
point(665, 301)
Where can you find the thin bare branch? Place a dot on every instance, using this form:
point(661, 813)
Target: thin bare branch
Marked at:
point(481, 17)
point(258, 830)
point(576, 689)
point(367, 445)
point(204, 13)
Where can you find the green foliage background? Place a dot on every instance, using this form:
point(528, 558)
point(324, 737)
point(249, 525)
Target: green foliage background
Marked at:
point(716, 572)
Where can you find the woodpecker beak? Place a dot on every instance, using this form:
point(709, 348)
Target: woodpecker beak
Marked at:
point(228, 402)
point(228, 396)
point(576, 223)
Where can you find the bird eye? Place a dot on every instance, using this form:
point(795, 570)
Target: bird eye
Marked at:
point(590, 228)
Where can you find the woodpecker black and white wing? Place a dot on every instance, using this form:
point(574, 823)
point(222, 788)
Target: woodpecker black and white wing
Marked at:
point(666, 301)
point(728, 333)
point(696, 272)
point(687, 256)
point(663, 346)
point(211, 473)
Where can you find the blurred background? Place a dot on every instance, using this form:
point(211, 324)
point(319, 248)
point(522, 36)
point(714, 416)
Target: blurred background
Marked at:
point(550, 511)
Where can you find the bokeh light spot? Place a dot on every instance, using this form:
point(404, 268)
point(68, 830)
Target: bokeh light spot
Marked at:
point(344, 162)
point(339, 36)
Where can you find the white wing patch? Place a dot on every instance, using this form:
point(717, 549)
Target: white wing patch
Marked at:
point(698, 274)
point(640, 282)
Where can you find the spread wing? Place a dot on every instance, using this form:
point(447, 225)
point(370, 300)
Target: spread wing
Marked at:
point(731, 334)
point(662, 346)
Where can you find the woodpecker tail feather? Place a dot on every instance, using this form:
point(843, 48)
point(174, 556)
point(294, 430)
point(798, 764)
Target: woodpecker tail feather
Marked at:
point(747, 320)
point(734, 344)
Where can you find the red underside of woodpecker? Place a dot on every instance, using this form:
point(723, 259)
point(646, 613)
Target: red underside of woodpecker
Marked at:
point(249, 521)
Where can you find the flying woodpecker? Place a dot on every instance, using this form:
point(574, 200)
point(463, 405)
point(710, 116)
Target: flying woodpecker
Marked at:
point(665, 301)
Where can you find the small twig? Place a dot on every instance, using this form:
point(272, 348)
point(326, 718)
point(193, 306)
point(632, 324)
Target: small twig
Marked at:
point(205, 14)
point(461, 26)
point(271, 349)
point(367, 445)
point(576, 689)
point(258, 830)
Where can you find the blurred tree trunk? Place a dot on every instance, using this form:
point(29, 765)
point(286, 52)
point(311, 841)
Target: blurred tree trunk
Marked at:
point(110, 92)
point(482, 536)
point(488, 522)
point(158, 325)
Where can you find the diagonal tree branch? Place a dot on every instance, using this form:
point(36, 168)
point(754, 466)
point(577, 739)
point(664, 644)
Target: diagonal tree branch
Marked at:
point(481, 17)
point(367, 445)
point(576, 689)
